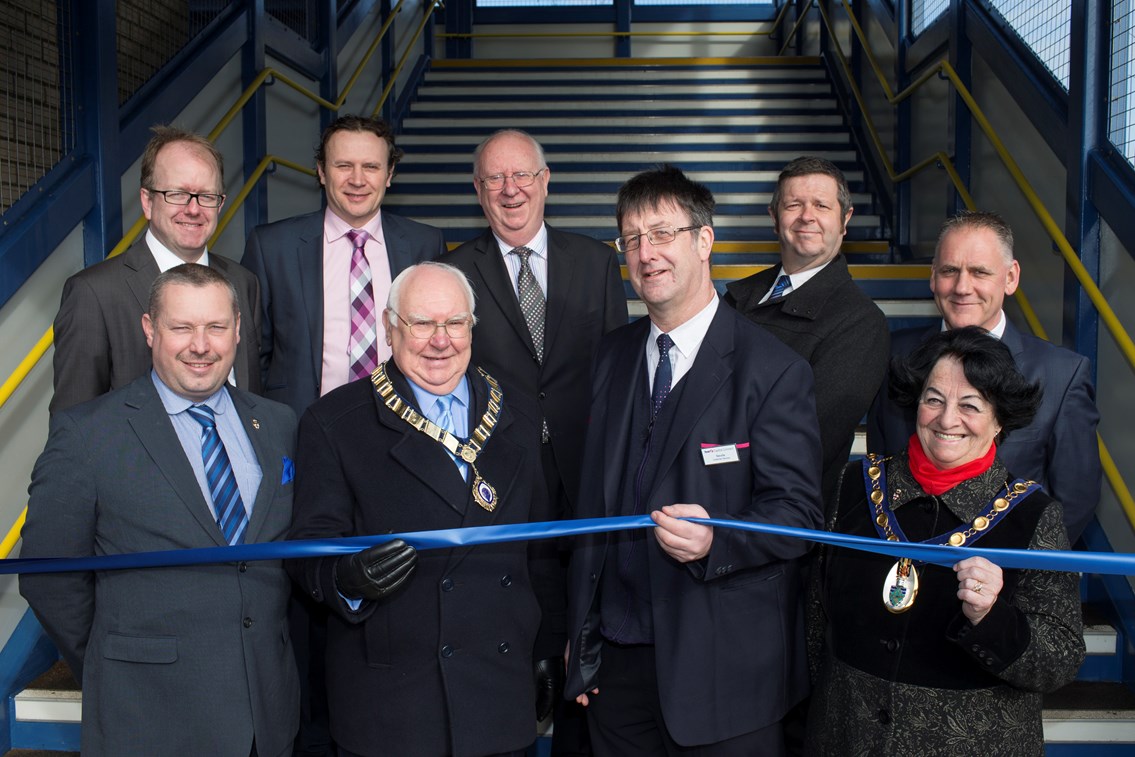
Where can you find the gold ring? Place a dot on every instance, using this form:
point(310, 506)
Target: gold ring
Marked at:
point(979, 587)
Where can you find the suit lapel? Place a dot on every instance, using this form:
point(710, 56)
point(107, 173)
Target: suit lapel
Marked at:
point(141, 270)
point(711, 369)
point(562, 267)
point(419, 454)
point(499, 464)
point(152, 425)
point(619, 395)
point(309, 261)
point(494, 273)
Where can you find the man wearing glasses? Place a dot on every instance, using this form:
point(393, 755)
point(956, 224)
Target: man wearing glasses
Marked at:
point(684, 636)
point(99, 344)
point(546, 298)
point(430, 652)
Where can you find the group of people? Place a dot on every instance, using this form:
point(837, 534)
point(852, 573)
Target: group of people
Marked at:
point(501, 383)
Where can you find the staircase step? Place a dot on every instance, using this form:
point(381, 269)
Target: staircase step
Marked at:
point(53, 697)
point(1090, 712)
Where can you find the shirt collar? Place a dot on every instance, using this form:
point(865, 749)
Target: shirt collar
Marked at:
point(690, 334)
point(426, 399)
point(174, 403)
point(335, 228)
point(165, 257)
point(800, 278)
point(997, 331)
point(538, 244)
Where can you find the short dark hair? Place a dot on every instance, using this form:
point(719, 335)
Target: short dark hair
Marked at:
point(189, 274)
point(808, 165)
point(375, 126)
point(979, 219)
point(988, 365)
point(168, 135)
point(662, 184)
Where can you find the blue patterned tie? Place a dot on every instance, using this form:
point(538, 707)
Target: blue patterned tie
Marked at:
point(231, 516)
point(662, 375)
point(780, 288)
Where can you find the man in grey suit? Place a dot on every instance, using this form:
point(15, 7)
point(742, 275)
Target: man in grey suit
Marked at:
point(99, 343)
point(972, 273)
point(304, 264)
point(181, 660)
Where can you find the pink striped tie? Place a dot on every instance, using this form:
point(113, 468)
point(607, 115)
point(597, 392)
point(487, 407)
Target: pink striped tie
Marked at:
point(363, 342)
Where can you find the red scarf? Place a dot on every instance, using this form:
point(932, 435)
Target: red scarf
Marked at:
point(933, 479)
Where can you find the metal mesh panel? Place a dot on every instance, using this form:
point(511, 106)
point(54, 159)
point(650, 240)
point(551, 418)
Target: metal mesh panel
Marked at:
point(151, 32)
point(38, 117)
point(301, 16)
point(925, 12)
point(1121, 107)
point(1045, 28)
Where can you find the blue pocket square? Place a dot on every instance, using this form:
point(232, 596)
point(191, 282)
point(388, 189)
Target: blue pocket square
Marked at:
point(289, 471)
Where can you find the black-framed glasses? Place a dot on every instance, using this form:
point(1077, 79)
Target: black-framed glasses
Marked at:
point(520, 179)
point(659, 236)
point(178, 197)
point(456, 328)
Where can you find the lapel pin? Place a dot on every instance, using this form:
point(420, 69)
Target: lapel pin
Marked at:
point(256, 424)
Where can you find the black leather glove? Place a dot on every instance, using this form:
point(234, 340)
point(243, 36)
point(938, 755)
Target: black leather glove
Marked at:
point(376, 572)
point(549, 676)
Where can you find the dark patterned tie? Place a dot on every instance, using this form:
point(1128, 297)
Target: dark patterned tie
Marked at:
point(780, 288)
point(362, 345)
point(662, 375)
point(229, 507)
point(531, 301)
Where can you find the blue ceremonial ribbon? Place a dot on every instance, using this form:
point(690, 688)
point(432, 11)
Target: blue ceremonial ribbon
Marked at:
point(1110, 563)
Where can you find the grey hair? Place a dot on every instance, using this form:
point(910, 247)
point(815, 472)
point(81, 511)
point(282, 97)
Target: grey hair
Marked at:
point(394, 299)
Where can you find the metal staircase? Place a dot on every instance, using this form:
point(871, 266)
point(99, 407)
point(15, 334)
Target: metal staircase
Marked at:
point(731, 125)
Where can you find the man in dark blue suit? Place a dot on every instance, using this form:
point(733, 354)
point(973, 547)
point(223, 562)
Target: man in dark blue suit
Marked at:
point(309, 334)
point(973, 271)
point(305, 333)
point(690, 636)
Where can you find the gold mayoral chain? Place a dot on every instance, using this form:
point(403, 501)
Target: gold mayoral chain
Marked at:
point(901, 585)
point(483, 492)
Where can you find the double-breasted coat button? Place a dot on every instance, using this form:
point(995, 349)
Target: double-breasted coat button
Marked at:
point(506, 581)
point(503, 648)
point(248, 622)
point(447, 651)
point(447, 584)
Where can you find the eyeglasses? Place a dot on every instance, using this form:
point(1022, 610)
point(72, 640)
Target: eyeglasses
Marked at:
point(456, 328)
point(664, 235)
point(520, 179)
point(177, 197)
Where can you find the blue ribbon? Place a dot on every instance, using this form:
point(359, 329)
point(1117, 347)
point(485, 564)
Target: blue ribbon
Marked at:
point(1075, 562)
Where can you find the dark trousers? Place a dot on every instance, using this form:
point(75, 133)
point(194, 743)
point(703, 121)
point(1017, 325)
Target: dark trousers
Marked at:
point(569, 720)
point(625, 717)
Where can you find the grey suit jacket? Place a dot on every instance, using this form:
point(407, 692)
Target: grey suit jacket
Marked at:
point(173, 661)
point(287, 258)
point(99, 342)
point(1058, 449)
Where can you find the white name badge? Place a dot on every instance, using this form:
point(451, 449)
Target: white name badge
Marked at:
point(725, 453)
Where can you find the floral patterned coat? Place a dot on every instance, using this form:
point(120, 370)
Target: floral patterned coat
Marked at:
point(928, 682)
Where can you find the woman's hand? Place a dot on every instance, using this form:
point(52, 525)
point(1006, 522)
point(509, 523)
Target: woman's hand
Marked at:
point(979, 583)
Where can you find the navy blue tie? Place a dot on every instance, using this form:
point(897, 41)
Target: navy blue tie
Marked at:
point(780, 288)
point(662, 375)
point(229, 507)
